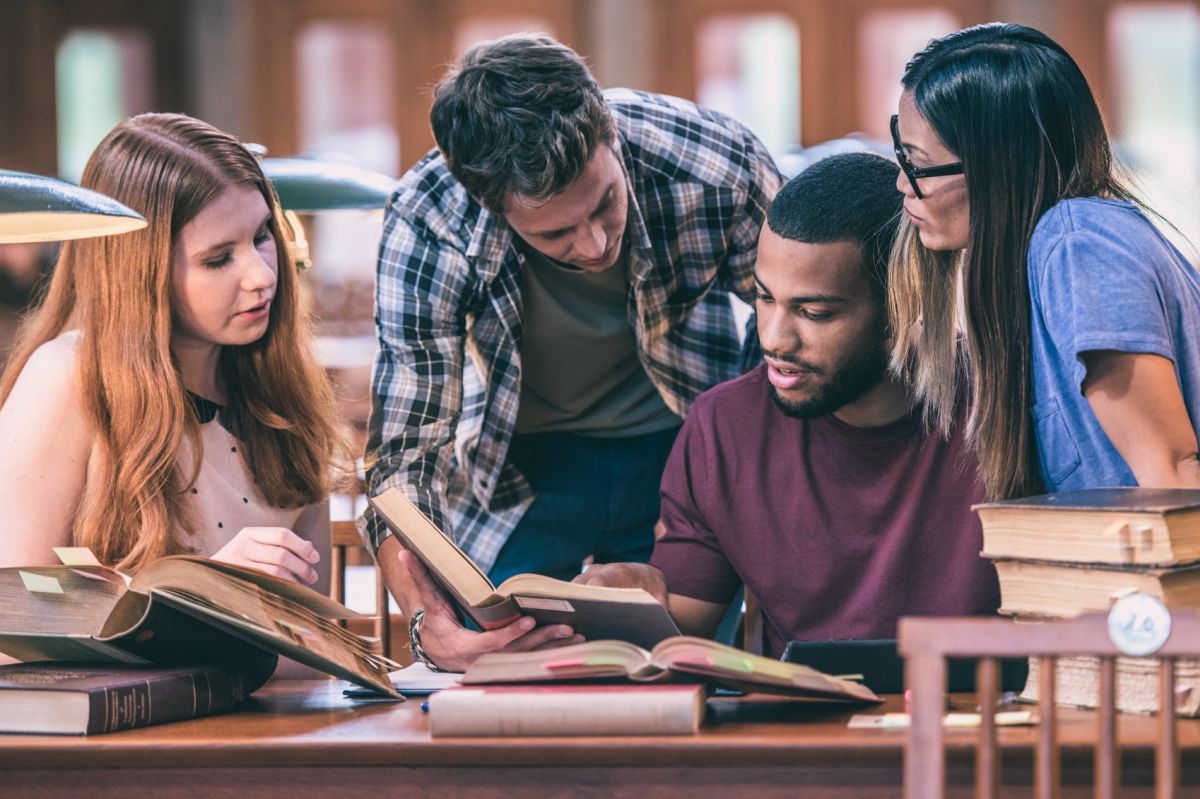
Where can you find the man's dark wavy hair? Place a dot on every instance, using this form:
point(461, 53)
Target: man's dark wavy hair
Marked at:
point(519, 116)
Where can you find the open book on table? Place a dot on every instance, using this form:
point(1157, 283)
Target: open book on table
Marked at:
point(680, 659)
point(628, 614)
point(181, 610)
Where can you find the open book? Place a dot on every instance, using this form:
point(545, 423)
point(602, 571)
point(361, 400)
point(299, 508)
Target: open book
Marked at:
point(628, 614)
point(181, 611)
point(681, 658)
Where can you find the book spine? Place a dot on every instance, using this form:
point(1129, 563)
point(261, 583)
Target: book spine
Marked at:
point(163, 698)
point(474, 713)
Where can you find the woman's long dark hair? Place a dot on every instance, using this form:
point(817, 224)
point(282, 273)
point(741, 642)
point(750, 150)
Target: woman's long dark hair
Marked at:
point(1018, 112)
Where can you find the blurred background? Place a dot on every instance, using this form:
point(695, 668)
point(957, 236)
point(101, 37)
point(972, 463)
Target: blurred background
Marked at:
point(350, 80)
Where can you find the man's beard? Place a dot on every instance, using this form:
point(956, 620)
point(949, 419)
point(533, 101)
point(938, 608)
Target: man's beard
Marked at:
point(855, 376)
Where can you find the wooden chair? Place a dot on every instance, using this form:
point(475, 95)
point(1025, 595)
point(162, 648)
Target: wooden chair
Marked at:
point(345, 538)
point(927, 642)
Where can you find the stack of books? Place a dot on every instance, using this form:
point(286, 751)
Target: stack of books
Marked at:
point(1060, 555)
point(185, 637)
point(612, 687)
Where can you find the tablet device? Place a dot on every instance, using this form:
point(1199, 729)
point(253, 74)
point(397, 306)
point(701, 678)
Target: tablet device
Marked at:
point(882, 667)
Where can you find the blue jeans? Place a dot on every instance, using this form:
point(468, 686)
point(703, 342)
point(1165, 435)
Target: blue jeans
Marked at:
point(594, 496)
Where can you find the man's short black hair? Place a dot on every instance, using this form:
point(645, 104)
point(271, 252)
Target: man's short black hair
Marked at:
point(845, 197)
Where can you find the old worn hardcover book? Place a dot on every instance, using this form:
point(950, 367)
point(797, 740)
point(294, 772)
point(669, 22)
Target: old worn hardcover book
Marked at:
point(1143, 526)
point(681, 658)
point(1077, 683)
point(628, 614)
point(82, 699)
point(1056, 590)
point(181, 611)
point(500, 710)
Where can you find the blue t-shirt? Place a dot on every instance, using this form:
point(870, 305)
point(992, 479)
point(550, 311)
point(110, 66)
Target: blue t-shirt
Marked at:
point(1102, 277)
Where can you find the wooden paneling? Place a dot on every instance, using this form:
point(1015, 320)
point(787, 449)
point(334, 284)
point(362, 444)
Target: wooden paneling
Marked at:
point(27, 44)
point(423, 35)
point(828, 49)
point(30, 34)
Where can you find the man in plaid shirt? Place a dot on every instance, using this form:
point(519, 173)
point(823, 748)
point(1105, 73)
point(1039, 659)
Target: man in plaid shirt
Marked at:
point(552, 294)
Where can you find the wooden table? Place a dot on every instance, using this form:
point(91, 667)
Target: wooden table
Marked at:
point(301, 739)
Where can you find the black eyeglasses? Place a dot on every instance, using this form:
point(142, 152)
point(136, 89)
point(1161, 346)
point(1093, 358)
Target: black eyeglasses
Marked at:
point(914, 173)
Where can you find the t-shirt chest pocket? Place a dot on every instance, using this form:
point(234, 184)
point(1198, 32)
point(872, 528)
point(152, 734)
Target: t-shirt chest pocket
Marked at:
point(1056, 446)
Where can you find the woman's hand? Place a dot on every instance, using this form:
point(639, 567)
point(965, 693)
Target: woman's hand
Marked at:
point(274, 550)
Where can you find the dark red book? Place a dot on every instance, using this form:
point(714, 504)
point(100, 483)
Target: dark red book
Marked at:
point(87, 699)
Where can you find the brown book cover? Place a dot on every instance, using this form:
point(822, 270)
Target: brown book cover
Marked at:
point(1133, 526)
point(502, 710)
point(82, 699)
point(181, 611)
point(1057, 590)
point(629, 614)
point(682, 658)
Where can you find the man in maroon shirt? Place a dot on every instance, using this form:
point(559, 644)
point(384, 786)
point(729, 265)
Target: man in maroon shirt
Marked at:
point(812, 478)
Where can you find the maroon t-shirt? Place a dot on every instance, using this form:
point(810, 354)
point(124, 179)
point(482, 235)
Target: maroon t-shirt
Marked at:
point(838, 531)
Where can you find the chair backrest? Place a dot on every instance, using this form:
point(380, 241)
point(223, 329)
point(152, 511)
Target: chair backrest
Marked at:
point(344, 538)
point(925, 644)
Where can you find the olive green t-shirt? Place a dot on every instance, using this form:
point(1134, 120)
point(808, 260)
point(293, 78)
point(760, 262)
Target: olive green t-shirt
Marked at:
point(580, 370)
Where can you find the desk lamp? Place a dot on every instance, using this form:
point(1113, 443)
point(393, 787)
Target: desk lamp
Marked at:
point(34, 208)
point(308, 186)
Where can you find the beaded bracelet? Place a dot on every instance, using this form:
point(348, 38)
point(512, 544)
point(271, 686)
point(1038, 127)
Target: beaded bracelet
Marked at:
point(414, 641)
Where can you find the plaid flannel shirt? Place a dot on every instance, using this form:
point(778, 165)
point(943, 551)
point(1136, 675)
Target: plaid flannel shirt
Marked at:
point(448, 372)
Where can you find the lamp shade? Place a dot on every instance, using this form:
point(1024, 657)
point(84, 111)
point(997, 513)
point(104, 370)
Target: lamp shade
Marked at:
point(309, 186)
point(36, 208)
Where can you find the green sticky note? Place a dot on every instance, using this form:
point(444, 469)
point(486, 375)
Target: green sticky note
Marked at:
point(40, 583)
point(76, 556)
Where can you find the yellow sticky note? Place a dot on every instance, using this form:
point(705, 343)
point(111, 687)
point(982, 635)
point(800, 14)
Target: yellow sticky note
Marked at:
point(301, 636)
point(40, 583)
point(76, 556)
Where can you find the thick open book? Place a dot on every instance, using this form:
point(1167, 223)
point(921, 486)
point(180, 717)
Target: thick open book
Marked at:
point(681, 658)
point(1144, 526)
point(181, 611)
point(628, 614)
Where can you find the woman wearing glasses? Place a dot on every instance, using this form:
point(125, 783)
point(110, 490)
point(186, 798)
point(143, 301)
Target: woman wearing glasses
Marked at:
point(1082, 320)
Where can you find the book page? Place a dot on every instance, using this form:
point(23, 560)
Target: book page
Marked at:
point(179, 570)
point(745, 671)
point(589, 660)
point(449, 565)
point(543, 586)
point(80, 605)
point(249, 605)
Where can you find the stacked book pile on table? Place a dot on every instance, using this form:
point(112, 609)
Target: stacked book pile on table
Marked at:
point(1059, 555)
point(615, 688)
point(184, 637)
